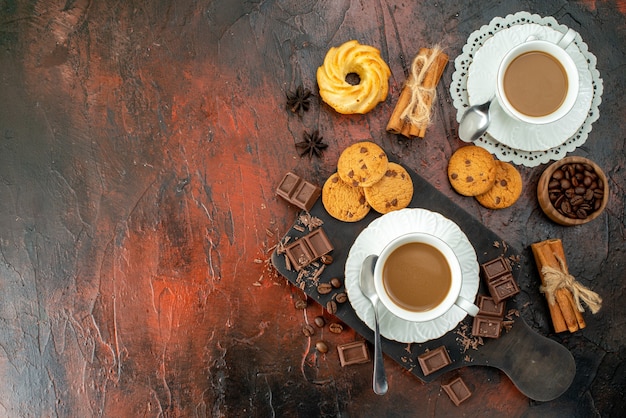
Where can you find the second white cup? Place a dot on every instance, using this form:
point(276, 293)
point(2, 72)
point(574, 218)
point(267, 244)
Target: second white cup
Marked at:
point(538, 81)
point(418, 278)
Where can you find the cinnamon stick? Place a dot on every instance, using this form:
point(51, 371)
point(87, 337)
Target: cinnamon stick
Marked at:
point(563, 310)
point(397, 124)
point(558, 321)
point(557, 249)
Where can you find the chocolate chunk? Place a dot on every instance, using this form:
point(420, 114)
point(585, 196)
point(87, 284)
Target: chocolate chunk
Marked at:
point(319, 243)
point(298, 191)
point(308, 248)
point(353, 353)
point(299, 254)
point(488, 307)
point(457, 390)
point(502, 288)
point(434, 360)
point(486, 326)
point(495, 268)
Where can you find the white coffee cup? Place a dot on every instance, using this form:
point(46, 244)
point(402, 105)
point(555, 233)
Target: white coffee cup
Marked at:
point(535, 86)
point(412, 264)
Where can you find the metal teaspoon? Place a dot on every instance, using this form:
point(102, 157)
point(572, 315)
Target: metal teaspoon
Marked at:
point(368, 289)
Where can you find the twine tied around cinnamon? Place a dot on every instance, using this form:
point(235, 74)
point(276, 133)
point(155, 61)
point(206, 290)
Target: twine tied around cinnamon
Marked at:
point(558, 278)
point(418, 111)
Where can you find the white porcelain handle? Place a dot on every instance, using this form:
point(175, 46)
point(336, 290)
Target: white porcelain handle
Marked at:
point(567, 39)
point(467, 306)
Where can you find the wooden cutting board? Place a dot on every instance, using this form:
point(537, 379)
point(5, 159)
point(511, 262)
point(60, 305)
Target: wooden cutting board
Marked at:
point(541, 368)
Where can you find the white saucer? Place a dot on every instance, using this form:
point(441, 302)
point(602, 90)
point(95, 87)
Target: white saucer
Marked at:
point(373, 239)
point(516, 134)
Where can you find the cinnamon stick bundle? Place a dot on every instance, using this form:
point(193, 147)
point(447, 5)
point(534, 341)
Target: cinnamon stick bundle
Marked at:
point(411, 115)
point(565, 309)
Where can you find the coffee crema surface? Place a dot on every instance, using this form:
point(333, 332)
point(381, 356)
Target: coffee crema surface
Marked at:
point(535, 83)
point(417, 277)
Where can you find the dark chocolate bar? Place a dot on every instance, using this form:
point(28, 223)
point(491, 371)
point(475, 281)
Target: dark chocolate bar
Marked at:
point(434, 360)
point(503, 288)
point(488, 307)
point(309, 248)
point(353, 353)
point(495, 269)
point(486, 326)
point(298, 191)
point(457, 390)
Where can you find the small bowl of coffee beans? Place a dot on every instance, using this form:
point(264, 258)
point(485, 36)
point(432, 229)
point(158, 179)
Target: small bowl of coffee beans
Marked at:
point(573, 191)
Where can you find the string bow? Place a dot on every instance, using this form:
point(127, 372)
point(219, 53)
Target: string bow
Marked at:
point(556, 279)
point(418, 111)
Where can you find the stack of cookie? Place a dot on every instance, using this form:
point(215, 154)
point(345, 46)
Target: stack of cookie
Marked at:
point(365, 179)
point(473, 171)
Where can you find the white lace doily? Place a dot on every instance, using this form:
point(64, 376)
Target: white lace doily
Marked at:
point(458, 90)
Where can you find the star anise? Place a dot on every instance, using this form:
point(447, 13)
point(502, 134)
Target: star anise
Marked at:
point(299, 101)
point(312, 144)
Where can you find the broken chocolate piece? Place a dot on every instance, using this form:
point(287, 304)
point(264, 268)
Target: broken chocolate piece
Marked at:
point(434, 360)
point(503, 288)
point(298, 191)
point(485, 326)
point(457, 390)
point(488, 307)
point(353, 353)
point(309, 248)
point(495, 269)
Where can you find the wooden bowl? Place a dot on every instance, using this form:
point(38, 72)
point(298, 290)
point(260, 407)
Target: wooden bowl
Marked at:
point(551, 197)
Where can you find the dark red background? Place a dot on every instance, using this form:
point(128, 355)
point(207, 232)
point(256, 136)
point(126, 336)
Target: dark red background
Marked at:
point(140, 146)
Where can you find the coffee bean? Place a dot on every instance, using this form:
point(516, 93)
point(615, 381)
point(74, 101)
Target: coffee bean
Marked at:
point(335, 328)
point(319, 321)
point(324, 288)
point(575, 190)
point(321, 346)
point(308, 330)
point(300, 304)
point(326, 259)
point(335, 282)
point(331, 307)
point(576, 200)
point(341, 297)
point(597, 204)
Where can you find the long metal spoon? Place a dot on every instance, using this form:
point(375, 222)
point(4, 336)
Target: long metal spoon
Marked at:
point(368, 289)
point(475, 121)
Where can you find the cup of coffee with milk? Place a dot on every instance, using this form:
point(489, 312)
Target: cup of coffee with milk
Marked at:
point(537, 80)
point(418, 278)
